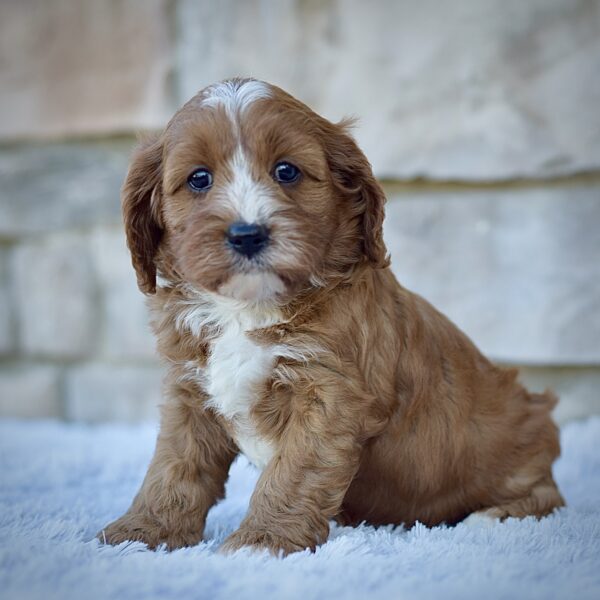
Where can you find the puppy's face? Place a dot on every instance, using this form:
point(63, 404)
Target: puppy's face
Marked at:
point(251, 195)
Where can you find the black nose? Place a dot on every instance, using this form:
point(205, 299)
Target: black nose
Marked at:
point(247, 238)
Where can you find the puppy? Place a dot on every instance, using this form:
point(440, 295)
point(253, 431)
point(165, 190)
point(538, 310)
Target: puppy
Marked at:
point(288, 339)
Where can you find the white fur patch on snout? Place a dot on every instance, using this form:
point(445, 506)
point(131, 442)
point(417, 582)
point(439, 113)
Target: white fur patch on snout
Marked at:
point(252, 201)
point(252, 287)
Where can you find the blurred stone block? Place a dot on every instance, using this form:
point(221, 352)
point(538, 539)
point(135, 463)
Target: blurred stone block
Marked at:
point(6, 334)
point(6, 327)
point(30, 391)
point(517, 269)
point(578, 389)
point(103, 392)
point(74, 66)
point(52, 186)
point(126, 333)
point(55, 296)
point(473, 89)
point(470, 89)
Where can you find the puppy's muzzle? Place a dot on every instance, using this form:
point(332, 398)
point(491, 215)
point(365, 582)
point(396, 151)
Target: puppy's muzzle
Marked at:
point(247, 238)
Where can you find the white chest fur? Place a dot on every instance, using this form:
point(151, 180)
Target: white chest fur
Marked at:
point(236, 368)
point(236, 364)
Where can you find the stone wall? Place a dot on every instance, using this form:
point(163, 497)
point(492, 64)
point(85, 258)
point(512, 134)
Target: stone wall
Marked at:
point(480, 117)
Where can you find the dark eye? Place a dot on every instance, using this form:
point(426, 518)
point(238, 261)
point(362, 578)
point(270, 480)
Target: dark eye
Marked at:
point(200, 180)
point(286, 172)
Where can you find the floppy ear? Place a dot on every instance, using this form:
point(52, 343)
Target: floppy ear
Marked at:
point(353, 175)
point(140, 197)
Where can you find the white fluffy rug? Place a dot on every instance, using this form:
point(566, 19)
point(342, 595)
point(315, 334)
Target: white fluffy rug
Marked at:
point(60, 483)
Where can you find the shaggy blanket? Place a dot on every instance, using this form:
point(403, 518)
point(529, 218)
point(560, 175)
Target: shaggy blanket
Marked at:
point(59, 484)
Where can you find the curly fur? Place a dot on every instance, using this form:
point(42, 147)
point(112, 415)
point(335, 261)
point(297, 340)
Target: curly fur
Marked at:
point(358, 399)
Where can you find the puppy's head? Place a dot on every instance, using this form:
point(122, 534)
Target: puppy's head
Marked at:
point(251, 195)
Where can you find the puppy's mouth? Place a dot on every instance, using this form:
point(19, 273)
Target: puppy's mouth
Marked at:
point(252, 278)
point(253, 287)
point(246, 265)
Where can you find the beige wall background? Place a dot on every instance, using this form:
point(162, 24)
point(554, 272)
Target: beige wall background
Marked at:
point(481, 117)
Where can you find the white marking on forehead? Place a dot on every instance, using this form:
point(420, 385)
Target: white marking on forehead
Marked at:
point(236, 96)
point(251, 200)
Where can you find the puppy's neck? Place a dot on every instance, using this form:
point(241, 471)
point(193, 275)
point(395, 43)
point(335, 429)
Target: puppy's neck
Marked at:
point(201, 311)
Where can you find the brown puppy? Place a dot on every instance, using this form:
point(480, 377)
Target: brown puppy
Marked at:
point(288, 338)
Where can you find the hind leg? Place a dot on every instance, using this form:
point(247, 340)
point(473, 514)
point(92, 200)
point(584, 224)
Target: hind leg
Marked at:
point(542, 499)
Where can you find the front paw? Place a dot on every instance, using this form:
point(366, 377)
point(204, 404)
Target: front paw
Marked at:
point(258, 538)
point(139, 527)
